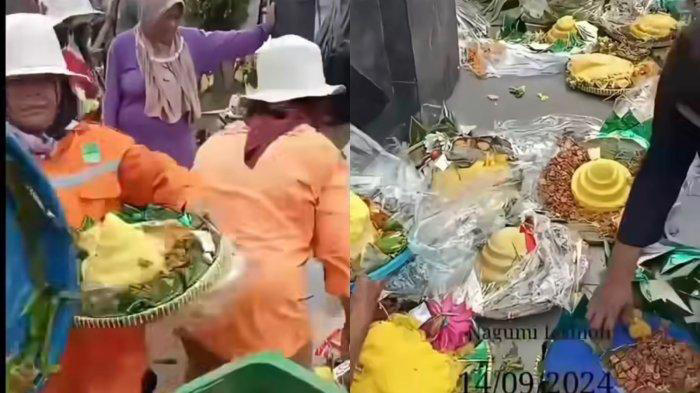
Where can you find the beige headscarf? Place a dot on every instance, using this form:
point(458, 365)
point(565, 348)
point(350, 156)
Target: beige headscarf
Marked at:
point(171, 82)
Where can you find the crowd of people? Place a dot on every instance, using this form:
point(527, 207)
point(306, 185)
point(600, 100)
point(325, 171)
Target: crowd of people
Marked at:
point(276, 184)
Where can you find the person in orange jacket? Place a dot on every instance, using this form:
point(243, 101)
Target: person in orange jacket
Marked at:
point(94, 170)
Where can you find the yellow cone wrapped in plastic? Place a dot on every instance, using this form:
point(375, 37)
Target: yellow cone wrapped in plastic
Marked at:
point(601, 71)
point(453, 181)
point(654, 27)
point(503, 249)
point(397, 358)
point(601, 185)
point(120, 254)
point(362, 231)
point(563, 30)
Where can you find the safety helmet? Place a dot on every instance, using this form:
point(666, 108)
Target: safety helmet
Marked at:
point(32, 48)
point(60, 10)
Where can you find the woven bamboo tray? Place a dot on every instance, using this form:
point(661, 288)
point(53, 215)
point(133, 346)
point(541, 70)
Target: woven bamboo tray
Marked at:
point(222, 264)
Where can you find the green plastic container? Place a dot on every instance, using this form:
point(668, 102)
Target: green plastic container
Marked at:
point(264, 373)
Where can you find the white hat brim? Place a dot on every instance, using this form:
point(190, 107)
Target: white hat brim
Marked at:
point(279, 95)
point(41, 71)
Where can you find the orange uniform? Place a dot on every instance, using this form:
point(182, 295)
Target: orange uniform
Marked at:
point(96, 170)
point(294, 204)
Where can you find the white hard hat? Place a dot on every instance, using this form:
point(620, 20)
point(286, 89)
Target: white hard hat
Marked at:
point(290, 67)
point(60, 10)
point(32, 48)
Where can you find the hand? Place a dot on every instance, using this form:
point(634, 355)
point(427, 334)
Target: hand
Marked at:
point(611, 301)
point(365, 297)
point(270, 15)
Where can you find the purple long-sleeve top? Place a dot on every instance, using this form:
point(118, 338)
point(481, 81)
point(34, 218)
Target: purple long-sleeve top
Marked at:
point(125, 86)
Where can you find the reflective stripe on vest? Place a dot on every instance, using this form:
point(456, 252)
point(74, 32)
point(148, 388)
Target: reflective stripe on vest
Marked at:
point(86, 175)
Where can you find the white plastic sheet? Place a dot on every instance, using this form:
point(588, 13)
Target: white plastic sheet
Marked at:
point(518, 60)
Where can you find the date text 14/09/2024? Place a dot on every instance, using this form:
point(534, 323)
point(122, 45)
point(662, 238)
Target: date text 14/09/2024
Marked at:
point(525, 382)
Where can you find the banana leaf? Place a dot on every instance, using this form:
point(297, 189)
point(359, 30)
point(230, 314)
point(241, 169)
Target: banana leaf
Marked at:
point(514, 29)
point(392, 243)
point(133, 215)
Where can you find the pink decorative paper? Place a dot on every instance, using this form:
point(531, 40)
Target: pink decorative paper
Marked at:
point(448, 330)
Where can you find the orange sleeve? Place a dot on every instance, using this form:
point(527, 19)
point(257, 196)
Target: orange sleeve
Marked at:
point(332, 231)
point(149, 177)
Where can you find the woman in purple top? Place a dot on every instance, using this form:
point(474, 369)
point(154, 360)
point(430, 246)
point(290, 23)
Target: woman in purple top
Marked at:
point(153, 70)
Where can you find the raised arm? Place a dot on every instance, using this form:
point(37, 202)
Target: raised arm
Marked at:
point(210, 49)
point(149, 177)
point(112, 97)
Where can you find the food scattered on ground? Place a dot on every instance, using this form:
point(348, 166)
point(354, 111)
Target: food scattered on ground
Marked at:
point(601, 185)
point(600, 71)
point(505, 248)
point(480, 55)
point(639, 328)
point(557, 196)
point(454, 181)
point(517, 92)
point(657, 363)
point(493, 97)
point(542, 97)
point(654, 27)
point(622, 48)
point(563, 30)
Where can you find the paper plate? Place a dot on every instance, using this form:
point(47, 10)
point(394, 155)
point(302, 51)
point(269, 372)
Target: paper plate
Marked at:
point(222, 264)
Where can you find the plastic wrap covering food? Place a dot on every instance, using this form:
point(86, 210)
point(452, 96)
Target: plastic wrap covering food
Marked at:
point(471, 23)
point(445, 240)
point(389, 181)
point(535, 142)
point(489, 58)
point(543, 278)
point(619, 13)
point(548, 11)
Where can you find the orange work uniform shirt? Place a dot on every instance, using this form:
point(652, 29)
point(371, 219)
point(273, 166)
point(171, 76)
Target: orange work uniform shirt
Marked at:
point(294, 204)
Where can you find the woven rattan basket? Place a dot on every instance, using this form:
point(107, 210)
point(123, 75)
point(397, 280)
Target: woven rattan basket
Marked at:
point(222, 264)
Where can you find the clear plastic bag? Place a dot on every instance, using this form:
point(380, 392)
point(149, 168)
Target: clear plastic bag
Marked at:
point(548, 277)
point(493, 58)
point(618, 13)
point(535, 143)
point(471, 23)
point(548, 11)
point(391, 182)
point(445, 240)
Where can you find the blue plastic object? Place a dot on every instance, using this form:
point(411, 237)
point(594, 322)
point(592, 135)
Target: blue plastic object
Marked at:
point(573, 356)
point(59, 267)
point(391, 267)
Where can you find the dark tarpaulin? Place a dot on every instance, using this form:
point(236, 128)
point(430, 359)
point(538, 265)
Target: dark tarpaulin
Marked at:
point(422, 59)
point(370, 76)
point(295, 17)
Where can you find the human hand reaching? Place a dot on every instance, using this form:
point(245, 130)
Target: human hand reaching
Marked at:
point(611, 302)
